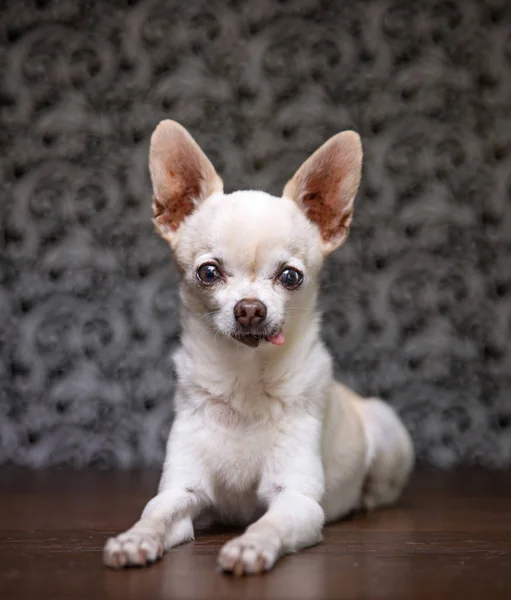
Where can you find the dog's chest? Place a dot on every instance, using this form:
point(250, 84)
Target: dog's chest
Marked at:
point(257, 392)
point(239, 416)
point(239, 433)
point(235, 448)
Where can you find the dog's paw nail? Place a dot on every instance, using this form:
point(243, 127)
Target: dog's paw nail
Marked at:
point(260, 564)
point(142, 556)
point(247, 556)
point(136, 549)
point(238, 569)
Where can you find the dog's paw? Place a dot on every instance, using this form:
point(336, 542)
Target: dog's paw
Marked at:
point(379, 493)
point(133, 549)
point(248, 554)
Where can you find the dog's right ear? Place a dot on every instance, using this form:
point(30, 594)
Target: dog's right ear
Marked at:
point(181, 174)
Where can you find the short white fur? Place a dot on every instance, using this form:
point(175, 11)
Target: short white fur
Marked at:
point(262, 437)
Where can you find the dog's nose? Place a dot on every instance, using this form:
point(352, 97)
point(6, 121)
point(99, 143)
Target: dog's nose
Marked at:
point(250, 312)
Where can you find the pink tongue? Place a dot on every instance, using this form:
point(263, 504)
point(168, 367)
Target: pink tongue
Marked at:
point(278, 339)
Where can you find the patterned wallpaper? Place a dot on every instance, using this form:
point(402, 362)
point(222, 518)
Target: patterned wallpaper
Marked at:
point(417, 303)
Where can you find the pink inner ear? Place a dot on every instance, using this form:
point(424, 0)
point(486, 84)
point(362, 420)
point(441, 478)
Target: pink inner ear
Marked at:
point(179, 185)
point(172, 214)
point(182, 187)
point(181, 175)
point(333, 221)
point(329, 194)
point(326, 184)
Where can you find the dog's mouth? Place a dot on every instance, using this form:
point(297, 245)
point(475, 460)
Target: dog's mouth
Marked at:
point(253, 341)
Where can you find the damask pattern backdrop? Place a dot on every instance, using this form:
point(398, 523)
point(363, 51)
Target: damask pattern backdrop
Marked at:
point(417, 303)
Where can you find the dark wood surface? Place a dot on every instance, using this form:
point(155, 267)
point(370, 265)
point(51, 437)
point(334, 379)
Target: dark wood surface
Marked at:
point(450, 537)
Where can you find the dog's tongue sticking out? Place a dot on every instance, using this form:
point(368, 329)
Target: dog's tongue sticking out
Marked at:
point(278, 339)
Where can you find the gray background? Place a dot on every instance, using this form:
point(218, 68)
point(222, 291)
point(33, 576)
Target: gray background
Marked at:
point(418, 302)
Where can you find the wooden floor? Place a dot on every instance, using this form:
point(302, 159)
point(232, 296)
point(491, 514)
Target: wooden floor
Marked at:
point(450, 537)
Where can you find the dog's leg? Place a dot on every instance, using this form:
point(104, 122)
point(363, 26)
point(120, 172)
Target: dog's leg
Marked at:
point(292, 485)
point(165, 522)
point(391, 454)
point(293, 521)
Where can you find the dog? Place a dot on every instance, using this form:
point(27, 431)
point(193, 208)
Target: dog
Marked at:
point(263, 436)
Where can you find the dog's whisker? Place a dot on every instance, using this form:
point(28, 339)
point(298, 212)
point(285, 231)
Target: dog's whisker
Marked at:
point(208, 314)
point(217, 333)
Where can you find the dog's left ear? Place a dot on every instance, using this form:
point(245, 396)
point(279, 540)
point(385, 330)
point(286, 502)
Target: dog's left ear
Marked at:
point(181, 174)
point(326, 184)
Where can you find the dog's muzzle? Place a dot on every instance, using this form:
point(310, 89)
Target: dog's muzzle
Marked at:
point(250, 315)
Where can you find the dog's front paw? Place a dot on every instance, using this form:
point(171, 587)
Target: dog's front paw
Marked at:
point(248, 554)
point(133, 549)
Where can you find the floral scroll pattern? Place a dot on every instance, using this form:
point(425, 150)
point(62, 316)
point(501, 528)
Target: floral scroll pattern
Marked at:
point(418, 302)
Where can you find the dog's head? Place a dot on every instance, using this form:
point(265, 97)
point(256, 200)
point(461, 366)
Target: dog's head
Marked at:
point(250, 262)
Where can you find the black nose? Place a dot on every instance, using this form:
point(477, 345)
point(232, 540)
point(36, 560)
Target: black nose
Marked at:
point(250, 312)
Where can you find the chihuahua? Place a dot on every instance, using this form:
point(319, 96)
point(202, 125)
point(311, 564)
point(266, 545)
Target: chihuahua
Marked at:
point(263, 436)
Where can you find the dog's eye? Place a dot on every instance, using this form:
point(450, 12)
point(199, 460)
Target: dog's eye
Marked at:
point(208, 274)
point(291, 278)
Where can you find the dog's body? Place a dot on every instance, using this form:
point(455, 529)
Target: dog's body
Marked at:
point(262, 433)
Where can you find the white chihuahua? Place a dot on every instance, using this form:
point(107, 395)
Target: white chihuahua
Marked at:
point(263, 435)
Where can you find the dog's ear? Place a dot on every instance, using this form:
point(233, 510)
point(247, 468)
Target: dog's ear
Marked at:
point(326, 184)
point(181, 174)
